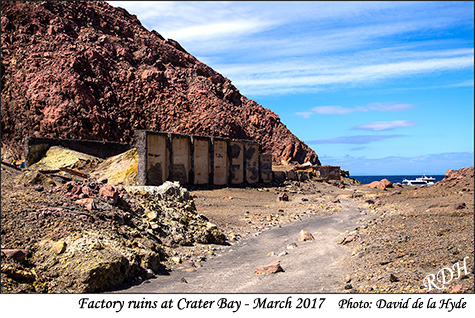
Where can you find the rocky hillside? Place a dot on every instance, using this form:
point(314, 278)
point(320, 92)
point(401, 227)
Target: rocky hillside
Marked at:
point(89, 70)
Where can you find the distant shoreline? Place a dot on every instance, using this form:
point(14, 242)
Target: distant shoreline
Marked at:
point(393, 179)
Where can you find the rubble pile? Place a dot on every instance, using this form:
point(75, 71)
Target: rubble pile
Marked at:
point(171, 214)
point(89, 235)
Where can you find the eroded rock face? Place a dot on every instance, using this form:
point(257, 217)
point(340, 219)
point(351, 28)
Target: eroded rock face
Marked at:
point(462, 178)
point(89, 70)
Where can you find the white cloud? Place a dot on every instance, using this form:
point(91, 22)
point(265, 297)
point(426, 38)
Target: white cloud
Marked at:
point(339, 110)
point(385, 125)
point(356, 140)
point(356, 75)
point(219, 29)
point(467, 83)
point(292, 47)
point(430, 164)
point(387, 107)
point(332, 110)
point(304, 114)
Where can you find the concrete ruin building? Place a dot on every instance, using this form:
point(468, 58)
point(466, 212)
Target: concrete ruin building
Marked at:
point(190, 159)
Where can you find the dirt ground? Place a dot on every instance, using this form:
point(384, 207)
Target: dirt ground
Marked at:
point(418, 232)
point(409, 233)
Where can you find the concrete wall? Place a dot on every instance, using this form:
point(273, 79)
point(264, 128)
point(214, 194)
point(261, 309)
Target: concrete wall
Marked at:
point(36, 147)
point(157, 158)
point(211, 160)
point(265, 167)
point(236, 162)
point(251, 162)
point(180, 169)
point(220, 161)
point(201, 161)
point(187, 159)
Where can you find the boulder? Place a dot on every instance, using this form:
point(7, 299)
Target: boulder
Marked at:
point(272, 268)
point(305, 236)
point(380, 185)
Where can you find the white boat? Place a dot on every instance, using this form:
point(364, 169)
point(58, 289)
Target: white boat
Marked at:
point(419, 181)
point(428, 179)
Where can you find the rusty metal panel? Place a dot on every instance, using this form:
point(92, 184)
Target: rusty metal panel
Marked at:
point(220, 161)
point(251, 162)
point(265, 167)
point(236, 161)
point(201, 159)
point(157, 159)
point(181, 158)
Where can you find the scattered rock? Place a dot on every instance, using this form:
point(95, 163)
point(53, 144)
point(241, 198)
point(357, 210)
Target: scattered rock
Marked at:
point(457, 288)
point(16, 254)
point(152, 215)
point(393, 278)
point(87, 202)
point(174, 190)
point(349, 239)
point(176, 260)
point(348, 286)
point(87, 191)
point(292, 246)
point(103, 180)
point(211, 226)
point(59, 247)
point(283, 197)
point(39, 188)
point(272, 268)
point(305, 236)
point(109, 192)
point(348, 279)
point(97, 246)
point(149, 273)
point(457, 206)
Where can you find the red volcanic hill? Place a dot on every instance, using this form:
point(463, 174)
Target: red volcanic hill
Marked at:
point(87, 70)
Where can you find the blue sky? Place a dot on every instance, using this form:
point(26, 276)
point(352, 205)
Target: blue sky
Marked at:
point(380, 88)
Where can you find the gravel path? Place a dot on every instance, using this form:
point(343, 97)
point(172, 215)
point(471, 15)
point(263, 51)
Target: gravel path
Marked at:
point(309, 267)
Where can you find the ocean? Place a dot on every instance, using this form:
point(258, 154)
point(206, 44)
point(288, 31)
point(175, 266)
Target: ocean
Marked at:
point(393, 179)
